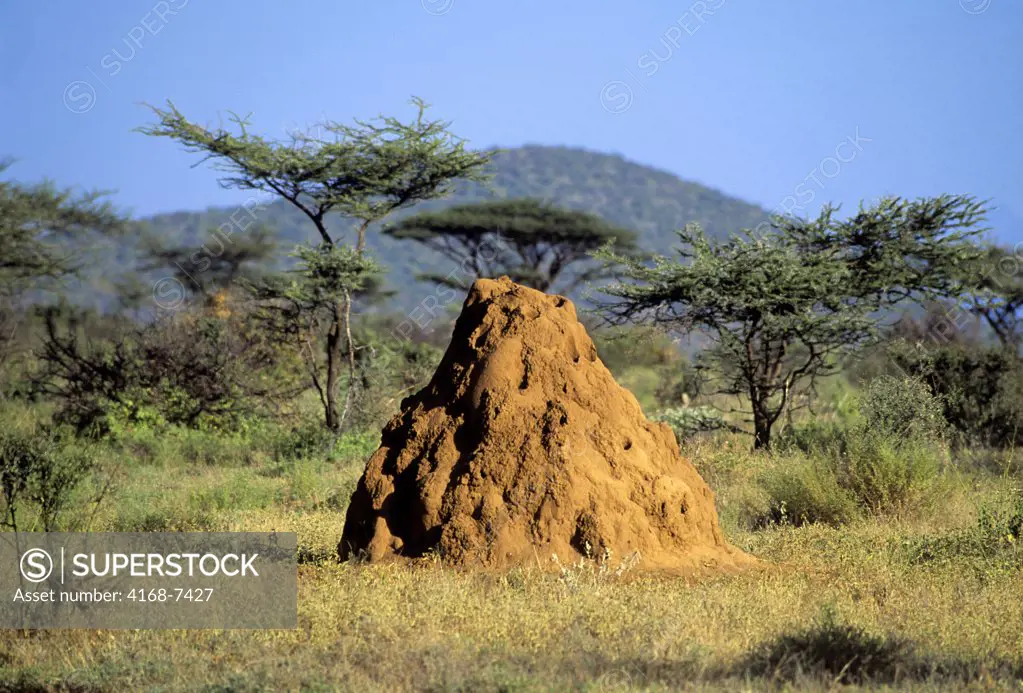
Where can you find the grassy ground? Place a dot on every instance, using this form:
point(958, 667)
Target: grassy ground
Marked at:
point(918, 600)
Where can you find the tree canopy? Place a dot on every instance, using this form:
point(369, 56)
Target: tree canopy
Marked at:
point(44, 230)
point(46, 233)
point(780, 308)
point(364, 171)
point(996, 293)
point(206, 271)
point(533, 242)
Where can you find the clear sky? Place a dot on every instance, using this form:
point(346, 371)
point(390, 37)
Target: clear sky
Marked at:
point(752, 98)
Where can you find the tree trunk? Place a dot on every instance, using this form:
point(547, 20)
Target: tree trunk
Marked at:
point(341, 348)
point(761, 421)
point(350, 391)
point(334, 355)
point(343, 328)
point(761, 431)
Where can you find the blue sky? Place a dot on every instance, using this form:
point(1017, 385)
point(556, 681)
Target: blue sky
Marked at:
point(752, 98)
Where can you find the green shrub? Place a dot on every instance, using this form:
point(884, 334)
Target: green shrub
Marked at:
point(175, 445)
point(816, 437)
point(649, 363)
point(894, 456)
point(885, 475)
point(355, 447)
point(261, 443)
point(688, 421)
point(390, 369)
point(308, 438)
point(41, 469)
point(886, 460)
point(194, 369)
point(802, 491)
point(981, 389)
point(897, 409)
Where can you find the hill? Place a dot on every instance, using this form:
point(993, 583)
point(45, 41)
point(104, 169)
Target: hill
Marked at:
point(654, 203)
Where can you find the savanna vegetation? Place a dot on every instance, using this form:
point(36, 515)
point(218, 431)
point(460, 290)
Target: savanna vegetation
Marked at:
point(849, 385)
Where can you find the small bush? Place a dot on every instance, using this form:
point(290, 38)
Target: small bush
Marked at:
point(649, 363)
point(40, 471)
point(308, 439)
point(390, 370)
point(802, 491)
point(174, 445)
point(814, 437)
point(899, 409)
point(885, 461)
point(895, 455)
point(355, 447)
point(260, 444)
point(885, 475)
point(688, 421)
point(195, 369)
point(981, 389)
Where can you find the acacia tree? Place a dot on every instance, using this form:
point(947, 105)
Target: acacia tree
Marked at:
point(531, 241)
point(780, 308)
point(364, 171)
point(205, 273)
point(45, 231)
point(45, 234)
point(996, 294)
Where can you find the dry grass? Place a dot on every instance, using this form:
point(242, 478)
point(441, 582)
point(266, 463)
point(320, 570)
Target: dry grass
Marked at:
point(836, 606)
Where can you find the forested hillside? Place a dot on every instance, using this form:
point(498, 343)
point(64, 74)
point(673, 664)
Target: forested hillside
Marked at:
point(653, 203)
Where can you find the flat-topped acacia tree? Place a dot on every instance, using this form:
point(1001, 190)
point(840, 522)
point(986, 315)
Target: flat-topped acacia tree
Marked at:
point(781, 308)
point(238, 261)
point(364, 171)
point(533, 242)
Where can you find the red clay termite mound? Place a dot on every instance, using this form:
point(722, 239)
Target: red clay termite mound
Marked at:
point(523, 446)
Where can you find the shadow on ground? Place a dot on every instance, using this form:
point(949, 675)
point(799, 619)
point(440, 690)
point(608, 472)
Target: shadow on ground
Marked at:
point(842, 653)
